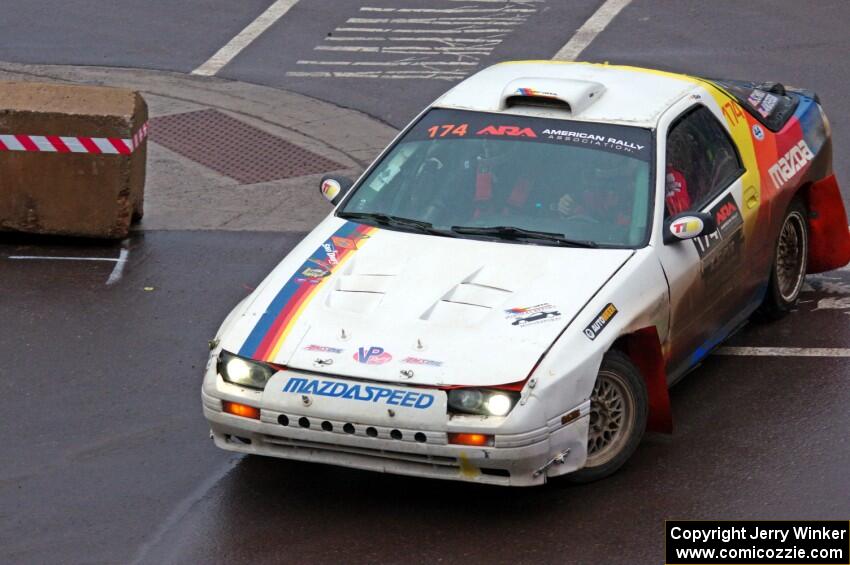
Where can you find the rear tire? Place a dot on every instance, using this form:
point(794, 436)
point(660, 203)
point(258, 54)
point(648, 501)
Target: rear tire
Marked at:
point(788, 272)
point(618, 412)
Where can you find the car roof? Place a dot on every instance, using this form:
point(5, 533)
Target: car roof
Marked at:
point(577, 91)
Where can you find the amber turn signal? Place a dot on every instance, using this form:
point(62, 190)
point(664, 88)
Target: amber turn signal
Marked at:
point(471, 439)
point(241, 410)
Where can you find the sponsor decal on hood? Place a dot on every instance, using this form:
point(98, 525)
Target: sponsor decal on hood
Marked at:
point(270, 332)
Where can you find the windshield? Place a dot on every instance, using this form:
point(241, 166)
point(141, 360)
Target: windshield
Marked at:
point(474, 174)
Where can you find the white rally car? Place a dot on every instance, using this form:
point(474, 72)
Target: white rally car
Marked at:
point(507, 293)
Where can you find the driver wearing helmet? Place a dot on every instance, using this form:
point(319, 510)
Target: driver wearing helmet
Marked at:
point(605, 195)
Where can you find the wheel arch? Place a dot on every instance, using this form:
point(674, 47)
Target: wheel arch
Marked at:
point(643, 348)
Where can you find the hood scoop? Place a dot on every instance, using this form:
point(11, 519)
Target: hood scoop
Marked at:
point(359, 290)
point(467, 303)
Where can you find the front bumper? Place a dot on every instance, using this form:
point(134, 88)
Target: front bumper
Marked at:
point(515, 459)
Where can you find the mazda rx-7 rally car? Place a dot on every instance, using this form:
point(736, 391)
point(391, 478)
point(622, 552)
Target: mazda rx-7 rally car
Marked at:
point(507, 293)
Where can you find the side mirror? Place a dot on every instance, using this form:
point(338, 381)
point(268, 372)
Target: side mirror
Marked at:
point(688, 225)
point(334, 188)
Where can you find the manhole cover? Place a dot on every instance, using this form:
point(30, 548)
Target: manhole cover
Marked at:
point(234, 148)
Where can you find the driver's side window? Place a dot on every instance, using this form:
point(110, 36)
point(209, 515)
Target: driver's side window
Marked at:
point(701, 161)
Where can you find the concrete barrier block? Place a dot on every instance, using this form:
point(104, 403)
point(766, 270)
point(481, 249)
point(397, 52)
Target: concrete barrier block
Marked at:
point(72, 159)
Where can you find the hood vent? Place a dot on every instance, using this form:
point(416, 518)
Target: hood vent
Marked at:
point(466, 304)
point(360, 294)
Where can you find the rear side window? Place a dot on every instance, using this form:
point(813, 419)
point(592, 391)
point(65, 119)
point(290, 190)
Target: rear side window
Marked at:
point(701, 161)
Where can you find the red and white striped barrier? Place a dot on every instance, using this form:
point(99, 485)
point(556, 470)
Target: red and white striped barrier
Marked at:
point(64, 144)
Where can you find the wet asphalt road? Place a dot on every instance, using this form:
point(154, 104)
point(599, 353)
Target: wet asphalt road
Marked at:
point(105, 451)
point(106, 456)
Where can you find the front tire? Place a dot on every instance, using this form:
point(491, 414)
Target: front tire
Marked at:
point(789, 263)
point(618, 412)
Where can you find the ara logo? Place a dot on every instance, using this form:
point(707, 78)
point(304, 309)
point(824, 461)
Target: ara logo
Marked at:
point(758, 133)
point(790, 164)
point(511, 131)
point(372, 355)
point(725, 212)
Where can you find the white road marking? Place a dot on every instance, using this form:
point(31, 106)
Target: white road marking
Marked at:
point(447, 39)
point(785, 351)
point(501, 1)
point(118, 270)
point(590, 29)
point(114, 276)
point(49, 258)
point(401, 63)
point(510, 21)
point(459, 36)
point(448, 75)
point(467, 29)
point(245, 37)
point(505, 10)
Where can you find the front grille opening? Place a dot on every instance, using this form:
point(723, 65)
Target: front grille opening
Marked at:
point(327, 426)
point(371, 432)
point(420, 437)
point(396, 434)
point(348, 428)
point(283, 420)
point(496, 472)
point(303, 422)
point(237, 439)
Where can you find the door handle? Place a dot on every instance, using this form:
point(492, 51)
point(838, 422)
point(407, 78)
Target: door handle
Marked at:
point(751, 197)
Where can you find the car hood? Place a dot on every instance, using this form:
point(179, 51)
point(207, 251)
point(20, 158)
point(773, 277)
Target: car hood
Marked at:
point(357, 301)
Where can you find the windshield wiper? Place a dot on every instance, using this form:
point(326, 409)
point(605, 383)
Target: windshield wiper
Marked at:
point(396, 221)
point(512, 232)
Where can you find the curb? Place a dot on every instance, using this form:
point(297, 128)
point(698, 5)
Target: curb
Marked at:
point(182, 194)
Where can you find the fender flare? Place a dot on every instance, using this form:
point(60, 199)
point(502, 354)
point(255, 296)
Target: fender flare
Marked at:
point(643, 347)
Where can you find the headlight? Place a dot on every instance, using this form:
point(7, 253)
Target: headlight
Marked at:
point(244, 372)
point(478, 401)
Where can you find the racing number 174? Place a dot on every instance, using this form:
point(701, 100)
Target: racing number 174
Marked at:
point(447, 129)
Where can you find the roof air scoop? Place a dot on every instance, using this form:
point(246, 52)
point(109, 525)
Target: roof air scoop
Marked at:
point(574, 96)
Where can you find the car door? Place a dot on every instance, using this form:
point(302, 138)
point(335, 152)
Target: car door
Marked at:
point(701, 172)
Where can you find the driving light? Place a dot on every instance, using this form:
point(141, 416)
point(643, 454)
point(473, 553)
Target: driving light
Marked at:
point(244, 372)
point(480, 401)
point(499, 404)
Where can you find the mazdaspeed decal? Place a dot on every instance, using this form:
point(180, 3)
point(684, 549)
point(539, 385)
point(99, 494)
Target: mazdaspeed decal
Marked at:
point(268, 335)
point(602, 319)
point(361, 392)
